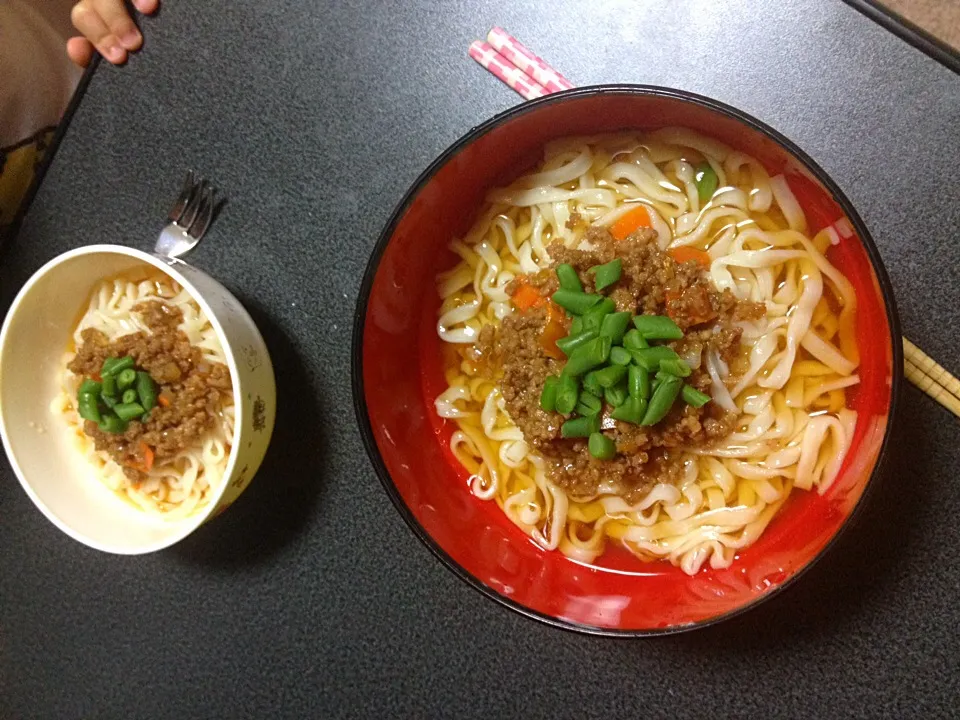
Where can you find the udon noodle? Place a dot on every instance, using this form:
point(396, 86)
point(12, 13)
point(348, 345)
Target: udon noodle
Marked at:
point(788, 386)
point(178, 486)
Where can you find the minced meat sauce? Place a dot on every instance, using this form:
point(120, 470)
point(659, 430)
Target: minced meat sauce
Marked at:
point(191, 389)
point(651, 283)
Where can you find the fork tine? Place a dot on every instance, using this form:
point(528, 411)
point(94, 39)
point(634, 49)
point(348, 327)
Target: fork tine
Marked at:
point(204, 213)
point(193, 206)
point(184, 199)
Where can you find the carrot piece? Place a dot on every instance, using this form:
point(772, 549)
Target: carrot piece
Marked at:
point(148, 456)
point(553, 331)
point(685, 253)
point(527, 297)
point(163, 400)
point(630, 223)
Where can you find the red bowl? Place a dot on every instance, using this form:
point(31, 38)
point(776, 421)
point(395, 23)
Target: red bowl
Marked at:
point(397, 374)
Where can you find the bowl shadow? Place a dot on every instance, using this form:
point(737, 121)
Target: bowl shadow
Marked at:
point(859, 567)
point(277, 505)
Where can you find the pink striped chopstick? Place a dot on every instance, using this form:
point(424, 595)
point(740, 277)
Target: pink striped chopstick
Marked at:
point(499, 66)
point(514, 51)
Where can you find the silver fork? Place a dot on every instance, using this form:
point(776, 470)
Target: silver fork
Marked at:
point(189, 219)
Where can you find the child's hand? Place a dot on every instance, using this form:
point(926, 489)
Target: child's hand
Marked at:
point(106, 27)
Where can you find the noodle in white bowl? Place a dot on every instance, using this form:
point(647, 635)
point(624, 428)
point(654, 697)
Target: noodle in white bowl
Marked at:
point(184, 484)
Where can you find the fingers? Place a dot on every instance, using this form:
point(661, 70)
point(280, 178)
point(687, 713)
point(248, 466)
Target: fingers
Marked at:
point(107, 26)
point(115, 16)
point(88, 21)
point(80, 51)
point(147, 7)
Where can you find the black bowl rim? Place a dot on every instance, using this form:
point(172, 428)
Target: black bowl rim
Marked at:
point(363, 418)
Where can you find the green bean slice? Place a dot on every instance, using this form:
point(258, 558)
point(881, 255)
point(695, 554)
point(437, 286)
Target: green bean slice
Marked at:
point(593, 318)
point(119, 365)
point(90, 387)
point(108, 386)
point(575, 303)
point(146, 391)
point(571, 342)
point(588, 356)
point(606, 275)
point(633, 340)
point(694, 397)
point(631, 411)
point(610, 375)
point(638, 381)
point(548, 396)
point(676, 367)
point(567, 391)
point(107, 366)
point(601, 447)
point(616, 395)
point(657, 327)
point(614, 326)
point(128, 411)
point(591, 385)
point(125, 378)
point(662, 400)
point(588, 403)
point(706, 180)
point(620, 356)
point(87, 408)
point(580, 426)
point(649, 358)
point(113, 424)
point(569, 280)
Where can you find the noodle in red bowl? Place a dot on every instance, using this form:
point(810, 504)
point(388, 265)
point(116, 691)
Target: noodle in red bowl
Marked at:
point(656, 370)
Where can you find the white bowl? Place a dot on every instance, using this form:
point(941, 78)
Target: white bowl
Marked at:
point(62, 483)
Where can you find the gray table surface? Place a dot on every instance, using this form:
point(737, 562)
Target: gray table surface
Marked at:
point(311, 597)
